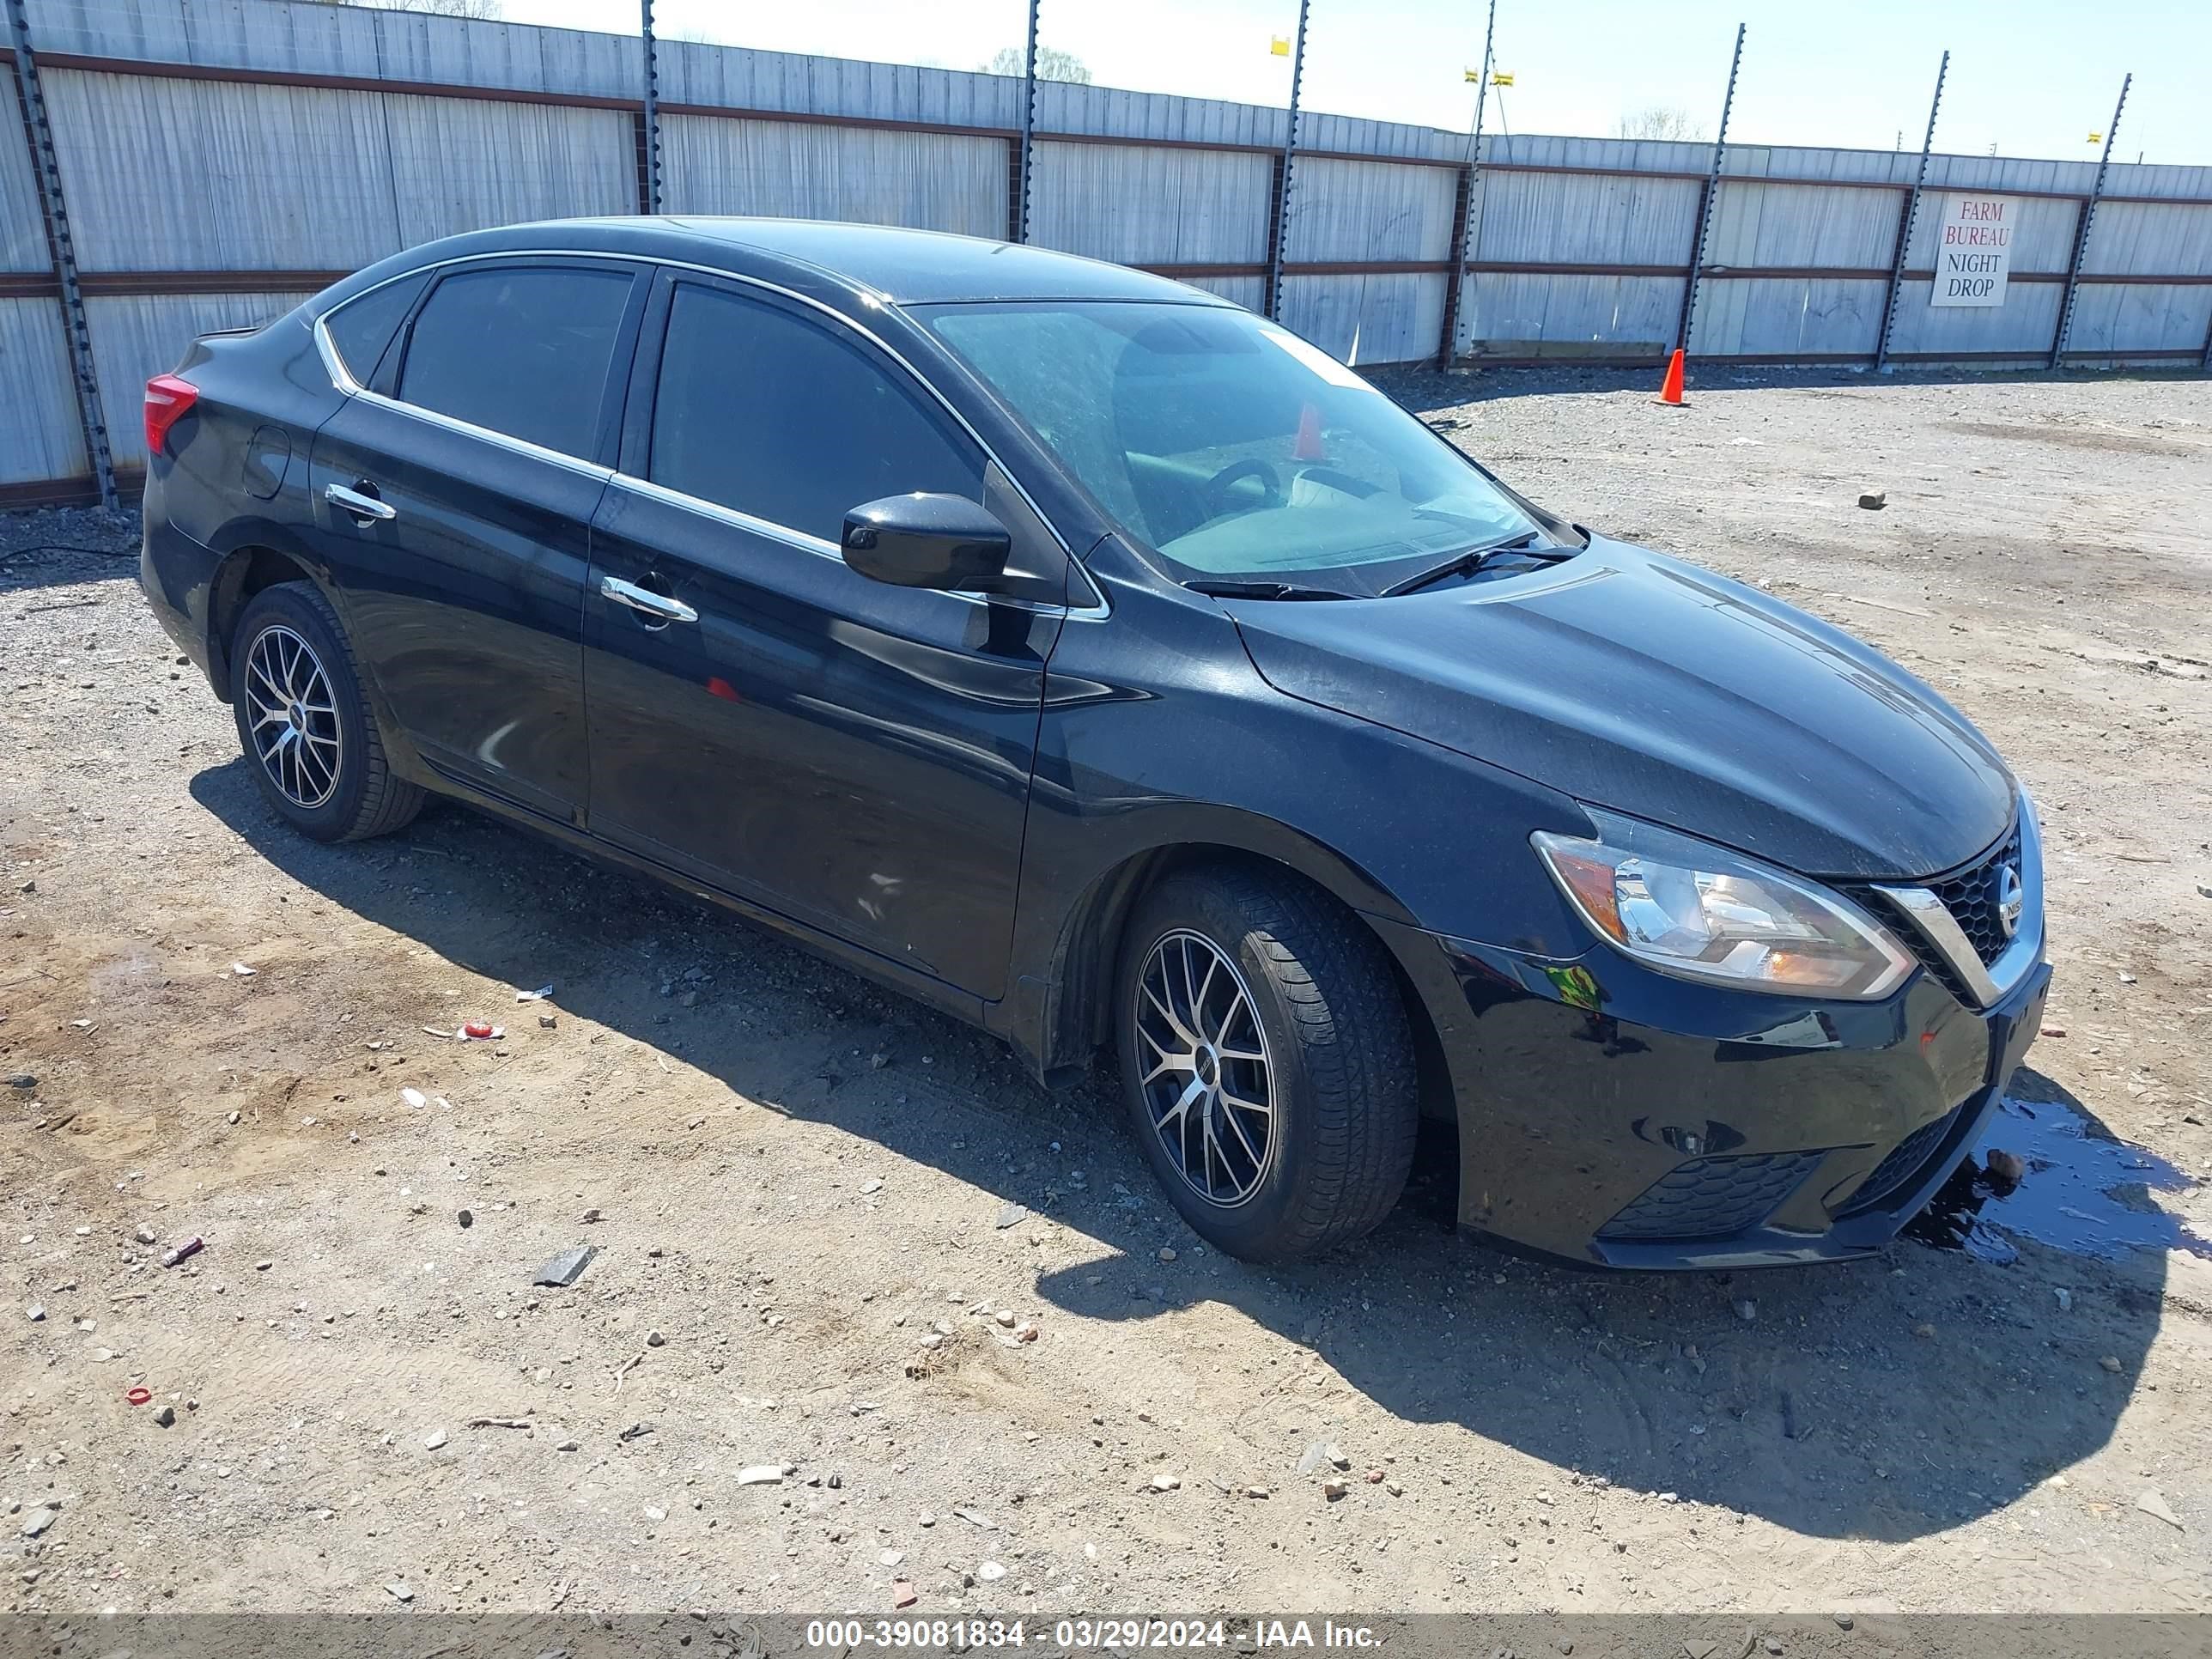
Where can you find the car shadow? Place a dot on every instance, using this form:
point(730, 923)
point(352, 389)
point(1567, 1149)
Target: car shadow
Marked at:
point(1887, 1399)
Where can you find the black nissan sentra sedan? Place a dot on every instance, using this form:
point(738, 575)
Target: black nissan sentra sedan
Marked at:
point(1109, 667)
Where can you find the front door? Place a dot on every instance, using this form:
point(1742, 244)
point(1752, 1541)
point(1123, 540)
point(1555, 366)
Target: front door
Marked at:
point(852, 755)
point(453, 501)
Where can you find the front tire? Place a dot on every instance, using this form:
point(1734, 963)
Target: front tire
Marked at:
point(310, 738)
point(1265, 1061)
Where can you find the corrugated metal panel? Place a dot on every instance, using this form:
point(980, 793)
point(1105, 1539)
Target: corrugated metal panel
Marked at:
point(1146, 205)
point(1513, 316)
point(135, 338)
point(1761, 316)
point(2024, 323)
point(2154, 240)
point(1368, 319)
point(45, 436)
point(1772, 225)
point(1643, 155)
point(928, 181)
point(187, 175)
point(1251, 292)
point(2043, 237)
point(1370, 210)
point(741, 78)
point(469, 165)
point(1064, 107)
point(22, 219)
point(2139, 317)
point(1562, 219)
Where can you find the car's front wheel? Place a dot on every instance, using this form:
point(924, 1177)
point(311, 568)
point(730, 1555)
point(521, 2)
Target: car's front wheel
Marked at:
point(305, 723)
point(1266, 1061)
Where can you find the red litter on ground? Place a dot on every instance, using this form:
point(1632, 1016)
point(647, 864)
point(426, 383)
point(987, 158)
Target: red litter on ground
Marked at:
point(139, 1396)
point(478, 1029)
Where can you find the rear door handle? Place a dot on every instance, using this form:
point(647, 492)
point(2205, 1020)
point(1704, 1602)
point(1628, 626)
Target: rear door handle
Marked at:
point(657, 605)
point(361, 506)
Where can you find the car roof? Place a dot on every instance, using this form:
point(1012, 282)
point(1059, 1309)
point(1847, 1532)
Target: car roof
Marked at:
point(894, 264)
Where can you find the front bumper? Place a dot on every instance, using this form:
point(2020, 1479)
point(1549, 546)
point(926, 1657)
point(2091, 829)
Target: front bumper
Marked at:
point(1618, 1117)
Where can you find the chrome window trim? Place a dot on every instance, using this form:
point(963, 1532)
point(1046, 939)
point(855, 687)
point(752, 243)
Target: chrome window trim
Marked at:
point(805, 543)
point(1987, 984)
point(342, 379)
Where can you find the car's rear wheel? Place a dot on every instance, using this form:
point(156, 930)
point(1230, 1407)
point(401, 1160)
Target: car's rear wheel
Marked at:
point(1266, 1061)
point(305, 723)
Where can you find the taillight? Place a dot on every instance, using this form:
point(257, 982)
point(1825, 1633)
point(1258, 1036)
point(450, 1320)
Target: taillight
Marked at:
point(167, 399)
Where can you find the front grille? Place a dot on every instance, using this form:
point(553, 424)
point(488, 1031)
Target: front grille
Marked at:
point(1971, 896)
point(1713, 1197)
point(1907, 1161)
point(1971, 899)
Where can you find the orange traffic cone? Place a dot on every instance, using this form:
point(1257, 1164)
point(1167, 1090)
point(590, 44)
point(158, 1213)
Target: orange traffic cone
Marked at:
point(1670, 391)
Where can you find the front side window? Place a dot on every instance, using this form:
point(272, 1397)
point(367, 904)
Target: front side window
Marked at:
point(1228, 445)
point(524, 351)
point(780, 418)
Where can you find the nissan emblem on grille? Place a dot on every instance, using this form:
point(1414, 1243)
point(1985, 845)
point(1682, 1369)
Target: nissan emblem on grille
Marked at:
point(2010, 899)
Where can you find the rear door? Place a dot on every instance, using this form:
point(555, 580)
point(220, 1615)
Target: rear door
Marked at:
point(853, 754)
point(454, 497)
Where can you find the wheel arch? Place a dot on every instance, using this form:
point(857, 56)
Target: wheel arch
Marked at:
point(1073, 1014)
point(256, 554)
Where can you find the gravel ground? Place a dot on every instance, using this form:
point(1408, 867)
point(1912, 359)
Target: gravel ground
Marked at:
point(800, 1187)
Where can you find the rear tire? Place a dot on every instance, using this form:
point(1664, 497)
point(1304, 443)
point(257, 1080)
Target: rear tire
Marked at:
point(1234, 981)
point(310, 738)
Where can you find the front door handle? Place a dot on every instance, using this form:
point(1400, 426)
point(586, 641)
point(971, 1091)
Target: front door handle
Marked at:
point(659, 606)
point(361, 507)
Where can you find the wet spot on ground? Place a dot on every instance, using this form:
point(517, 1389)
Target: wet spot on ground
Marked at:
point(2047, 1171)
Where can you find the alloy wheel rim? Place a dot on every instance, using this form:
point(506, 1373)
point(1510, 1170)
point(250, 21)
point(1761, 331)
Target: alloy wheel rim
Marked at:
point(293, 717)
point(1208, 1082)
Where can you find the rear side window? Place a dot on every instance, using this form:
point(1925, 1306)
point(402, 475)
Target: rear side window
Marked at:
point(362, 328)
point(523, 352)
point(767, 413)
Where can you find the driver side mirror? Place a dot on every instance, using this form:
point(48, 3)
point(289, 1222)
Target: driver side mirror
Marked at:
point(945, 542)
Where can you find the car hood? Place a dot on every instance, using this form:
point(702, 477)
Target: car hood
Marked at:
point(1634, 682)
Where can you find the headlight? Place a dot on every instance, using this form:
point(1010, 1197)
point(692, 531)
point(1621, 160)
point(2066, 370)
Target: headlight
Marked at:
point(1690, 909)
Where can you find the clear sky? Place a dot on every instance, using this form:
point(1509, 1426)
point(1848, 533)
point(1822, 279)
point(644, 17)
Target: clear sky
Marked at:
point(2033, 77)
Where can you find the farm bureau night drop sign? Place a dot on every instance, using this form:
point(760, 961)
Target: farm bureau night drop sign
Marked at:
point(1973, 250)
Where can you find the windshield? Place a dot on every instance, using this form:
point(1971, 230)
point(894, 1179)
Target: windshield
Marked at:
point(1229, 446)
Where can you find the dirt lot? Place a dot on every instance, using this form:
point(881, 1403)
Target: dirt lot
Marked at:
point(791, 1176)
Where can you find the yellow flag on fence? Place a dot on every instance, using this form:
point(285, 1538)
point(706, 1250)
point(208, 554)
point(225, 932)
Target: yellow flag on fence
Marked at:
point(1473, 77)
point(1502, 78)
point(1279, 45)
point(2096, 137)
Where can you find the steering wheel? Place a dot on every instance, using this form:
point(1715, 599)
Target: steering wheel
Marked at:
point(1216, 488)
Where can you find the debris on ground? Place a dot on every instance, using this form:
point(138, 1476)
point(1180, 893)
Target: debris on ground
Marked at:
point(566, 1268)
point(2151, 1501)
point(1874, 502)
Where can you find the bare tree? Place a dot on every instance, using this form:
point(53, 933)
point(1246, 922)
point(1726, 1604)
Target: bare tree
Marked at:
point(1053, 64)
point(1660, 121)
point(482, 11)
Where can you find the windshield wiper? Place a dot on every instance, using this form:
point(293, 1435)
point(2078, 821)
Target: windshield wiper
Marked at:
point(1459, 564)
point(1266, 591)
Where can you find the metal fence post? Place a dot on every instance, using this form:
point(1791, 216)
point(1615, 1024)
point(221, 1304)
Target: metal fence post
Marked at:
point(1282, 214)
point(1028, 132)
point(652, 66)
point(45, 166)
point(2082, 231)
point(1712, 199)
point(1463, 208)
point(1904, 225)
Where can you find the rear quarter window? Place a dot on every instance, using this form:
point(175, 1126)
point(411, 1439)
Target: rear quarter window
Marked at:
point(362, 327)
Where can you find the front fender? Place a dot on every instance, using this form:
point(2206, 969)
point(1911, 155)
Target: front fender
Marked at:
point(1158, 735)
